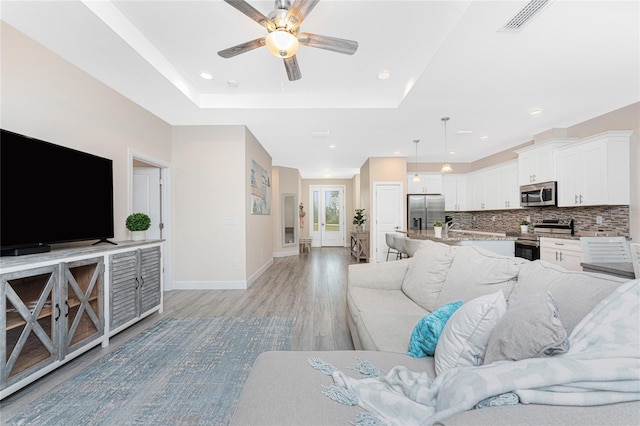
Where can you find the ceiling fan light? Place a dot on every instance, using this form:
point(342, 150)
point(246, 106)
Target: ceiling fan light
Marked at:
point(282, 44)
point(446, 168)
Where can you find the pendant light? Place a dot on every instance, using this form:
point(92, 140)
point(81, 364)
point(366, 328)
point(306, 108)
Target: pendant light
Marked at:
point(446, 167)
point(416, 177)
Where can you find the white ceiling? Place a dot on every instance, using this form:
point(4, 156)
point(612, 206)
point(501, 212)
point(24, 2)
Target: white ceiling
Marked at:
point(574, 60)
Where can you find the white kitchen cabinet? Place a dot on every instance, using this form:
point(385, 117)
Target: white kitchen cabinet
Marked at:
point(476, 198)
point(537, 163)
point(494, 188)
point(454, 189)
point(507, 185)
point(595, 171)
point(430, 183)
point(562, 252)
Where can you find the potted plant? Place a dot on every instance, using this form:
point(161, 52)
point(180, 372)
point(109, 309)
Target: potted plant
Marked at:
point(437, 228)
point(359, 219)
point(138, 223)
point(524, 226)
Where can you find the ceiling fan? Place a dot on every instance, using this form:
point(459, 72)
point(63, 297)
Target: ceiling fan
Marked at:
point(283, 38)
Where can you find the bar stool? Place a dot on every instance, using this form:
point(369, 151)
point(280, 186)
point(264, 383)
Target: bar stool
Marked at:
point(401, 243)
point(391, 244)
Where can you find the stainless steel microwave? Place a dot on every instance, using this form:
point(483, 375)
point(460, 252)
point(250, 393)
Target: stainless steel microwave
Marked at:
point(539, 194)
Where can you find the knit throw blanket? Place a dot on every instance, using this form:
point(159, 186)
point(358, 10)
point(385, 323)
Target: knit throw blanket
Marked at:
point(602, 366)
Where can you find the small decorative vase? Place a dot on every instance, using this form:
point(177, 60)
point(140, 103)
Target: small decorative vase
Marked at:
point(438, 231)
point(138, 235)
point(524, 229)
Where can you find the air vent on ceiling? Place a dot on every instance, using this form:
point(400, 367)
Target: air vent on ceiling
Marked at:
point(524, 15)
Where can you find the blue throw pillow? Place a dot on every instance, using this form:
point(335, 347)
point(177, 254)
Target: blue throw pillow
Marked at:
point(426, 333)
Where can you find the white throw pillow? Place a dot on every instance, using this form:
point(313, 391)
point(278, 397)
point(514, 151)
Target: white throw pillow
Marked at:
point(427, 272)
point(464, 338)
point(475, 272)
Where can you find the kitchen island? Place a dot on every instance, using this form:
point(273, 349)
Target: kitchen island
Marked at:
point(498, 242)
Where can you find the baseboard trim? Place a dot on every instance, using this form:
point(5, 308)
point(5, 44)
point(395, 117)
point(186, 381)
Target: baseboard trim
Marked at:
point(222, 285)
point(259, 272)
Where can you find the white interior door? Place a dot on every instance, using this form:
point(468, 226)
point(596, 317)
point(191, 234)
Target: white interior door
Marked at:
point(388, 205)
point(328, 216)
point(147, 198)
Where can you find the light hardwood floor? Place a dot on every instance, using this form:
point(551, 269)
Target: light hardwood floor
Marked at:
point(310, 287)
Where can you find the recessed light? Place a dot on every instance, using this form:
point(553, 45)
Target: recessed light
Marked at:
point(320, 133)
point(327, 175)
point(384, 74)
point(463, 132)
point(484, 137)
point(396, 152)
point(535, 111)
point(206, 75)
point(452, 152)
point(332, 146)
point(233, 83)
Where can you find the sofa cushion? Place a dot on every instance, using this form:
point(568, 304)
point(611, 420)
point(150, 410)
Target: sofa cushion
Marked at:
point(427, 272)
point(575, 293)
point(360, 299)
point(380, 315)
point(464, 339)
point(475, 272)
point(530, 328)
point(386, 332)
point(426, 332)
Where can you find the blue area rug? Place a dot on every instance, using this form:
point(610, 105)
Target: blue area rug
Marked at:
point(180, 371)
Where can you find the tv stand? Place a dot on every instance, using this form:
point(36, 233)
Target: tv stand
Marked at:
point(104, 240)
point(20, 251)
point(58, 305)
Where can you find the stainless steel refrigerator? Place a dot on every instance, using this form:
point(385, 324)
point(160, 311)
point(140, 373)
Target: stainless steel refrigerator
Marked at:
point(423, 210)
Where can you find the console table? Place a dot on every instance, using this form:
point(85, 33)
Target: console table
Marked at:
point(55, 306)
point(360, 245)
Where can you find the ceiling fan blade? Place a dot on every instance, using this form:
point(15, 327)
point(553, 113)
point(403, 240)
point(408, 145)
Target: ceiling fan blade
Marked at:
point(334, 44)
point(242, 48)
point(293, 70)
point(299, 11)
point(251, 12)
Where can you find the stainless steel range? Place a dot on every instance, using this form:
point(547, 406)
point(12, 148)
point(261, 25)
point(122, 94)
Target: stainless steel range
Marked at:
point(527, 245)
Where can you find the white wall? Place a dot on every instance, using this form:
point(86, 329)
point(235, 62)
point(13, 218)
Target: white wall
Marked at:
point(219, 244)
point(46, 97)
point(259, 228)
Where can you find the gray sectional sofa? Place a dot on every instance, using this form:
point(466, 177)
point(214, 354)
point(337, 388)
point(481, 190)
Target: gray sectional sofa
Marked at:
point(385, 302)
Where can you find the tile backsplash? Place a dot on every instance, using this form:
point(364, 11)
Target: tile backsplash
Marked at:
point(615, 219)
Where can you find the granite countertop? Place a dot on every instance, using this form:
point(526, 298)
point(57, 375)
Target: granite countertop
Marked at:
point(462, 235)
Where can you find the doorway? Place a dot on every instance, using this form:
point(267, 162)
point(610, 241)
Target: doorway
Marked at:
point(149, 186)
point(388, 206)
point(327, 224)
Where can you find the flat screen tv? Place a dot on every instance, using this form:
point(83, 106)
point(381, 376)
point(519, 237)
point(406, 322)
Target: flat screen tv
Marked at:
point(51, 194)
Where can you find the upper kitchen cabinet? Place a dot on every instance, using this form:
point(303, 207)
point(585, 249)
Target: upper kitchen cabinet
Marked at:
point(454, 189)
point(494, 188)
point(430, 183)
point(595, 171)
point(537, 163)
